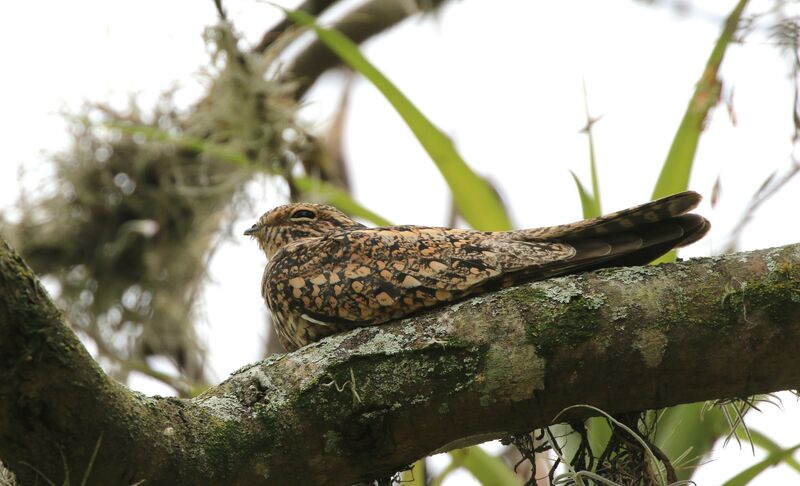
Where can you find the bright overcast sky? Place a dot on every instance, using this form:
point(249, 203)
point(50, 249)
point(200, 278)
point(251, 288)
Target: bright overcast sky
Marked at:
point(502, 77)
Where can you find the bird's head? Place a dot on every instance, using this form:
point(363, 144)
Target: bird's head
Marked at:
point(291, 222)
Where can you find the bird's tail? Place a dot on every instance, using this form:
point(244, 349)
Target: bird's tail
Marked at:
point(633, 236)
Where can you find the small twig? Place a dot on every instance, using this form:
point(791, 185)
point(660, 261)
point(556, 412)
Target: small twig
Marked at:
point(220, 10)
point(343, 386)
point(353, 386)
point(39, 474)
point(91, 460)
point(339, 388)
point(559, 454)
point(768, 188)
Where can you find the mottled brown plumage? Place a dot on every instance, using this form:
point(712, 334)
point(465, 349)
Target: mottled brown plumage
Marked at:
point(328, 273)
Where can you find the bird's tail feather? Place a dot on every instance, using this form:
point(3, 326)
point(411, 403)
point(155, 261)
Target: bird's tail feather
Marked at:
point(634, 236)
point(639, 245)
point(619, 222)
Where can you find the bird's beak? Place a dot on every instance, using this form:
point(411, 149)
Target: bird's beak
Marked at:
point(251, 230)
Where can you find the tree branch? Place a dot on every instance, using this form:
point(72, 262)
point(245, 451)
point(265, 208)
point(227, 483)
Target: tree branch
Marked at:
point(367, 402)
point(360, 24)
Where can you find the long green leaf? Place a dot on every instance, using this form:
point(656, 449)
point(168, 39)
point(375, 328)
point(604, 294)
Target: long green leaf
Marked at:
point(438, 479)
point(590, 201)
point(487, 469)
point(677, 167)
point(476, 201)
point(686, 428)
point(772, 447)
point(589, 204)
point(596, 209)
point(691, 427)
point(772, 459)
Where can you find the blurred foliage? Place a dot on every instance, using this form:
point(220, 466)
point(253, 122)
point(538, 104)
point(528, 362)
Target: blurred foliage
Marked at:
point(310, 188)
point(124, 234)
point(487, 469)
point(125, 228)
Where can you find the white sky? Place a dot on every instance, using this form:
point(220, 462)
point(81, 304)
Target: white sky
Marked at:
point(502, 77)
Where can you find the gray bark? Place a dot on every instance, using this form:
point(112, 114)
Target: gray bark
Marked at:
point(367, 402)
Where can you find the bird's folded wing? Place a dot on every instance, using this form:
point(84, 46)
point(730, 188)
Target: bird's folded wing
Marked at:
point(375, 275)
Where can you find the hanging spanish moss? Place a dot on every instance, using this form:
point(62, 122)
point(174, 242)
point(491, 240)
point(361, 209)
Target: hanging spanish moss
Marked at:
point(126, 225)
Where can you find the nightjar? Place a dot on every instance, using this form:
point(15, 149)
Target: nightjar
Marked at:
point(328, 273)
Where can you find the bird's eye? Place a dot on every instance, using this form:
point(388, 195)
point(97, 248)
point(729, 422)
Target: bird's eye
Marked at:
point(303, 214)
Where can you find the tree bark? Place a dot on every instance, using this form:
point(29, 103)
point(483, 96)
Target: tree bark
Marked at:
point(368, 402)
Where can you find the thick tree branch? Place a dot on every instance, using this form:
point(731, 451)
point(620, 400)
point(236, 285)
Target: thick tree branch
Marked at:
point(367, 402)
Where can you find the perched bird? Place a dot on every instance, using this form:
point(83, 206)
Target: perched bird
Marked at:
point(328, 273)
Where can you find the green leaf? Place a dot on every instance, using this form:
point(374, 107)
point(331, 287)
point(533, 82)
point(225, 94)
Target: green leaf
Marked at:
point(589, 204)
point(695, 428)
point(487, 469)
point(772, 459)
point(675, 172)
point(686, 428)
point(438, 480)
point(476, 201)
point(764, 442)
point(596, 209)
point(590, 201)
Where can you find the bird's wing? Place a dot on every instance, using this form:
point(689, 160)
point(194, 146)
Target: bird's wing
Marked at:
point(374, 275)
